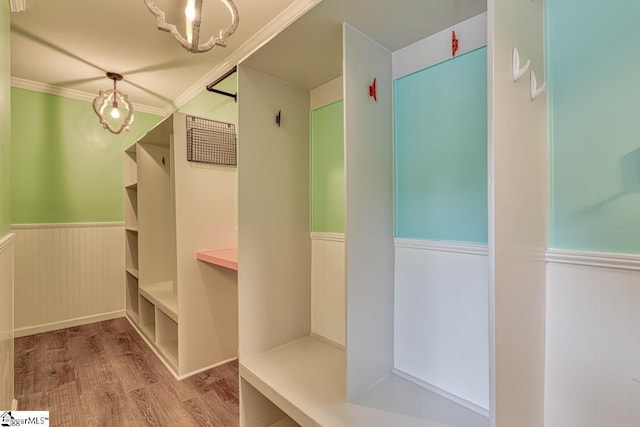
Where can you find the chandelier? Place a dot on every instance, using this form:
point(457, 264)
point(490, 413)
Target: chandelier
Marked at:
point(116, 104)
point(193, 15)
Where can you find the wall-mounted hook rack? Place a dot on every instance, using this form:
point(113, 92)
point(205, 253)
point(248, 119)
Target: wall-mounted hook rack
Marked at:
point(535, 90)
point(518, 71)
point(279, 118)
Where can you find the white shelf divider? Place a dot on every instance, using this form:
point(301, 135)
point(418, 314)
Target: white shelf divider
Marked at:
point(133, 271)
point(161, 294)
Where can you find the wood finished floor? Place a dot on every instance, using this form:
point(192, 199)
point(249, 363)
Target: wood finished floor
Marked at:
point(103, 374)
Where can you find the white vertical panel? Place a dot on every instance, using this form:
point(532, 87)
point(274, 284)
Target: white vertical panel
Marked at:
point(274, 249)
point(6, 321)
point(472, 34)
point(517, 215)
point(441, 321)
point(327, 286)
point(67, 274)
point(326, 94)
point(205, 218)
point(369, 212)
point(156, 214)
point(593, 342)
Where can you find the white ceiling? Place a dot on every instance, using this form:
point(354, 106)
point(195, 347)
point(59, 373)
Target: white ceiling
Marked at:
point(70, 44)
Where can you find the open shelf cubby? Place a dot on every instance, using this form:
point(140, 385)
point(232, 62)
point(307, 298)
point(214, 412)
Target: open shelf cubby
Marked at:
point(173, 208)
point(354, 331)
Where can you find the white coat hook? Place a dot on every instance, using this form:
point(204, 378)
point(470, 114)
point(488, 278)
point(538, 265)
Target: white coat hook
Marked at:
point(517, 71)
point(535, 90)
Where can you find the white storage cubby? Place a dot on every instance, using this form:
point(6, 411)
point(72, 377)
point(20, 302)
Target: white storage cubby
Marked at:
point(186, 310)
point(286, 365)
point(147, 319)
point(313, 379)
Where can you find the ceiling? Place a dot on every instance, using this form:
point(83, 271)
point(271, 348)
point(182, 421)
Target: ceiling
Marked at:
point(71, 44)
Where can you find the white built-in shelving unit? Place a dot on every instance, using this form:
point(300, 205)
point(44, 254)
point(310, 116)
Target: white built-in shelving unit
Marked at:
point(291, 373)
point(186, 310)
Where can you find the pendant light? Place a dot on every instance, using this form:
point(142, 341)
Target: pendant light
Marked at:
point(111, 105)
point(193, 19)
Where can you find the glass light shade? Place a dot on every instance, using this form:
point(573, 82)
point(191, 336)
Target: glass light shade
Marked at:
point(105, 103)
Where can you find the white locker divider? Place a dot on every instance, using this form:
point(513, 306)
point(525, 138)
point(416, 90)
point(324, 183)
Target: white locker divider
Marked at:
point(186, 310)
point(289, 372)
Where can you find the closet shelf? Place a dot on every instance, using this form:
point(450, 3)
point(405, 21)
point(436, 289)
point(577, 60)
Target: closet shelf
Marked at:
point(132, 229)
point(133, 271)
point(161, 294)
point(304, 378)
point(227, 258)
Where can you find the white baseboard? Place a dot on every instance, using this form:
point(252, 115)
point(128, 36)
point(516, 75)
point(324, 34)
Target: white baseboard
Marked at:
point(469, 405)
point(70, 323)
point(215, 365)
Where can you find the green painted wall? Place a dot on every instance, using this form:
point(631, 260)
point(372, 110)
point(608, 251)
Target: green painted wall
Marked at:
point(327, 168)
point(214, 106)
point(594, 134)
point(5, 120)
point(65, 166)
point(441, 151)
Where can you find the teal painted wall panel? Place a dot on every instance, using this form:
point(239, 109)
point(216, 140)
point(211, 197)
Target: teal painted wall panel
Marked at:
point(66, 167)
point(592, 72)
point(441, 151)
point(327, 168)
point(5, 120)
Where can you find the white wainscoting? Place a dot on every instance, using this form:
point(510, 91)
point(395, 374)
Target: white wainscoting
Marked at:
point(593, 340)
point(6, 321)
point(67, 275)
point(328, 286)
point(442, 318)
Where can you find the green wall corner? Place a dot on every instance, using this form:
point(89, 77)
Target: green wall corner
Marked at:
point(65, 167)
point(327, 168)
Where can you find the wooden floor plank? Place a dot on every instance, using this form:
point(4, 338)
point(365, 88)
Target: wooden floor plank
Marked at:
point(104, 374)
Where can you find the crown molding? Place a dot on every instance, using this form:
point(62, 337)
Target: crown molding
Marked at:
point(75, 94)
point(18, 5)
point(285, 18)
